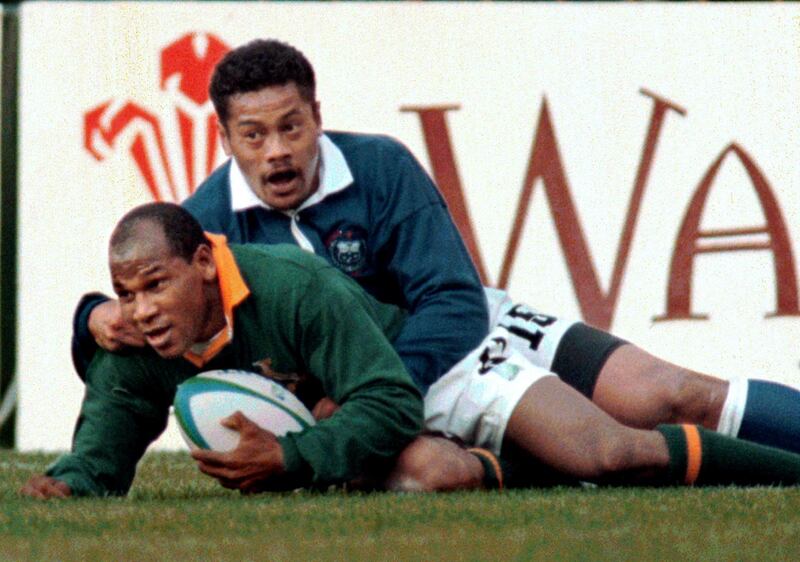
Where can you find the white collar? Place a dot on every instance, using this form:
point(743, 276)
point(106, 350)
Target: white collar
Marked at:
point(334, 176)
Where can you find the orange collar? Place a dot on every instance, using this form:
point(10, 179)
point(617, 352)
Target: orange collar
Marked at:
point(233, 290)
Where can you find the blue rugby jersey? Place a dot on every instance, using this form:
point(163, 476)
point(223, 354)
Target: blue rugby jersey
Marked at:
point(389, 229)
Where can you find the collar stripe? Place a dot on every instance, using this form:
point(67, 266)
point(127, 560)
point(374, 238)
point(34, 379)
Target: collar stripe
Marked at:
point(233, 290)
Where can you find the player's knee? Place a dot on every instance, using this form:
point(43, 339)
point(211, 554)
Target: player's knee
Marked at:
point(431, 464)
point(689, 397)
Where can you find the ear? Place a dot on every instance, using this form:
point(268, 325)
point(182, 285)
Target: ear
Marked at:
point(315, 111)
point(204, 260)
point(224, 138)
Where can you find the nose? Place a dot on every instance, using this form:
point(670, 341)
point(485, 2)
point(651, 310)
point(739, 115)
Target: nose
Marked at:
point(144, 310)
point(276, 148)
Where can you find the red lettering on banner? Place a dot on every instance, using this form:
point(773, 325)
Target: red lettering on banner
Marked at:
point(596, 306)
point(687, 246)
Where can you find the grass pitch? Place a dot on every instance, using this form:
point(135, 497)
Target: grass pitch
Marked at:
point(176, 513)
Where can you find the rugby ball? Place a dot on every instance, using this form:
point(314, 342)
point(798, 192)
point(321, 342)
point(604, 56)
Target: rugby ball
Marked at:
point(202, 401)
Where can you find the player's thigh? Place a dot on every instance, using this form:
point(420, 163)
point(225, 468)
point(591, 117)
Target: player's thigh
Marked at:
point(642, 390)
point(574, 351)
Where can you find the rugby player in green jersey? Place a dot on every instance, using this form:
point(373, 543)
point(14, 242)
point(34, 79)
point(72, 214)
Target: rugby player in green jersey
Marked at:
point(202, 305)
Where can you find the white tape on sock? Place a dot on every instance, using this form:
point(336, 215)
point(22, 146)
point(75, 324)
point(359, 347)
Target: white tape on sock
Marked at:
point(730, 420)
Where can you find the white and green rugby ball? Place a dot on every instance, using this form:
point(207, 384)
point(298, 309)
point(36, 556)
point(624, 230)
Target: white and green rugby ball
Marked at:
point(202, 401)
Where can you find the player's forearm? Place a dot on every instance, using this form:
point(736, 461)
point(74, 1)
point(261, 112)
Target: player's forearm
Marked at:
point(370, 428)
point(448, 316)
point(440, 333)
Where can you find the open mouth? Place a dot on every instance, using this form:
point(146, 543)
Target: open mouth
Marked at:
point(156, 336)
point(283, 177)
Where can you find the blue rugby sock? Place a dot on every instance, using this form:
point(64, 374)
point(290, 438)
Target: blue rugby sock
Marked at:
point(771, 415)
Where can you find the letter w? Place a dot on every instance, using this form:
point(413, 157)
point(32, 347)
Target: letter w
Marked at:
point(597, 306)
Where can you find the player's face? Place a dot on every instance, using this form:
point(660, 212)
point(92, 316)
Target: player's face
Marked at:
point(272, 134)
point(163, 295)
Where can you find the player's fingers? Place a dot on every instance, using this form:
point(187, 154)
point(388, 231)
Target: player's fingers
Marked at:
point(237, 421)
point(209, 457)
point(43, 487)
point(252, 486)
point(109, 344)
point(228, 483)
point(57, 489)
point(324, 409)
point(213, 471)
point(131, 338)
point(32, 492)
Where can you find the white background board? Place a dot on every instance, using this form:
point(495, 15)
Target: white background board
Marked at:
point(733, 68)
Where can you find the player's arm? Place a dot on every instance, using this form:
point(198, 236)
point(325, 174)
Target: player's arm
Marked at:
point(97, 323)
point(427, 258)
point(380, 407)
point(120, 416)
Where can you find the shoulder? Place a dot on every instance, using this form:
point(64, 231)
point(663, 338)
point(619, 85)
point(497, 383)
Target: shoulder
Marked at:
point(211, 202)
point(284, 269)
point(276, 264)
point(361, 149)
point(387, 170)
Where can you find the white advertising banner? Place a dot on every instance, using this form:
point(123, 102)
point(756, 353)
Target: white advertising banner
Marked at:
point(631, 164)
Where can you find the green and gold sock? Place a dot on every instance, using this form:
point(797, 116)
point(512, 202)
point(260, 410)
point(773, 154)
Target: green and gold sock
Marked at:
point(700, 457)
point(492, 471)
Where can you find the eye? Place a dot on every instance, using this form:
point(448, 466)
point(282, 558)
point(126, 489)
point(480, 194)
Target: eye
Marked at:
point(291, 127)
point(253, 135)
point(155, 285)
point(124, 296)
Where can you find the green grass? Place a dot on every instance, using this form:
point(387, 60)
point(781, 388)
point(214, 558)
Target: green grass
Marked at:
point(176, 513)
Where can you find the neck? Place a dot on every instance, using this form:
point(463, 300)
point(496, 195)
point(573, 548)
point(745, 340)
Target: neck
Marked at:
point(214, 318)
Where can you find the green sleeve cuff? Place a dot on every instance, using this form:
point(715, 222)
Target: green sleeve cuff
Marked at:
point(293, 462)
point(68, 470)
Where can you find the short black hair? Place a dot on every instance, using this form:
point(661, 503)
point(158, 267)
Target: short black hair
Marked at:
point(181, 230)
point(256, 65)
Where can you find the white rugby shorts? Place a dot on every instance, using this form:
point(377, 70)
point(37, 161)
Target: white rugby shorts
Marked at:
point(474, 400)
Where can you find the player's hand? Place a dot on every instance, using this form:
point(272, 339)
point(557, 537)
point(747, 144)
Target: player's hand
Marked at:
point(324, 409)
point(44, 487)
point(249, 468)
point(109, 330)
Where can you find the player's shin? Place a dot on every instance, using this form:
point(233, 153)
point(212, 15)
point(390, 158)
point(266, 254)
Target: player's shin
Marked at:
point(699, 456)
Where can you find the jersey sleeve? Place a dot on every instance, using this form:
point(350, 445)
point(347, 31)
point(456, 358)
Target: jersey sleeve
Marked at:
point(426, 256)
point(381, 408)
point(83, 344)
point(115, 427)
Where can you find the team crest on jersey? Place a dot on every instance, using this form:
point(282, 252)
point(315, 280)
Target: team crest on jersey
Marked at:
point(348, 249)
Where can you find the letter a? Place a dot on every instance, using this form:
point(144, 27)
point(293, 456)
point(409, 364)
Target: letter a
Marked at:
point(679, 294)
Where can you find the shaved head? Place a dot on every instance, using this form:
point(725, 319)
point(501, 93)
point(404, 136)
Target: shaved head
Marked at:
point(161, 222)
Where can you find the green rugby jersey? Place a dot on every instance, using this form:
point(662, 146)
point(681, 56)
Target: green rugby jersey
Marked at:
point(302, 316)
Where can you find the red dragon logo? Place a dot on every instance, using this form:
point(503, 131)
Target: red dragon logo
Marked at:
point(175, 151)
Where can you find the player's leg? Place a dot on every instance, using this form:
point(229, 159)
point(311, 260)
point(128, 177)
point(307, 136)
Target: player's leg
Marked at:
point(495, 398)
point(561, 427)
point(432, 463)
point(641, 390)
point(555, 423)
point(761, 411)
